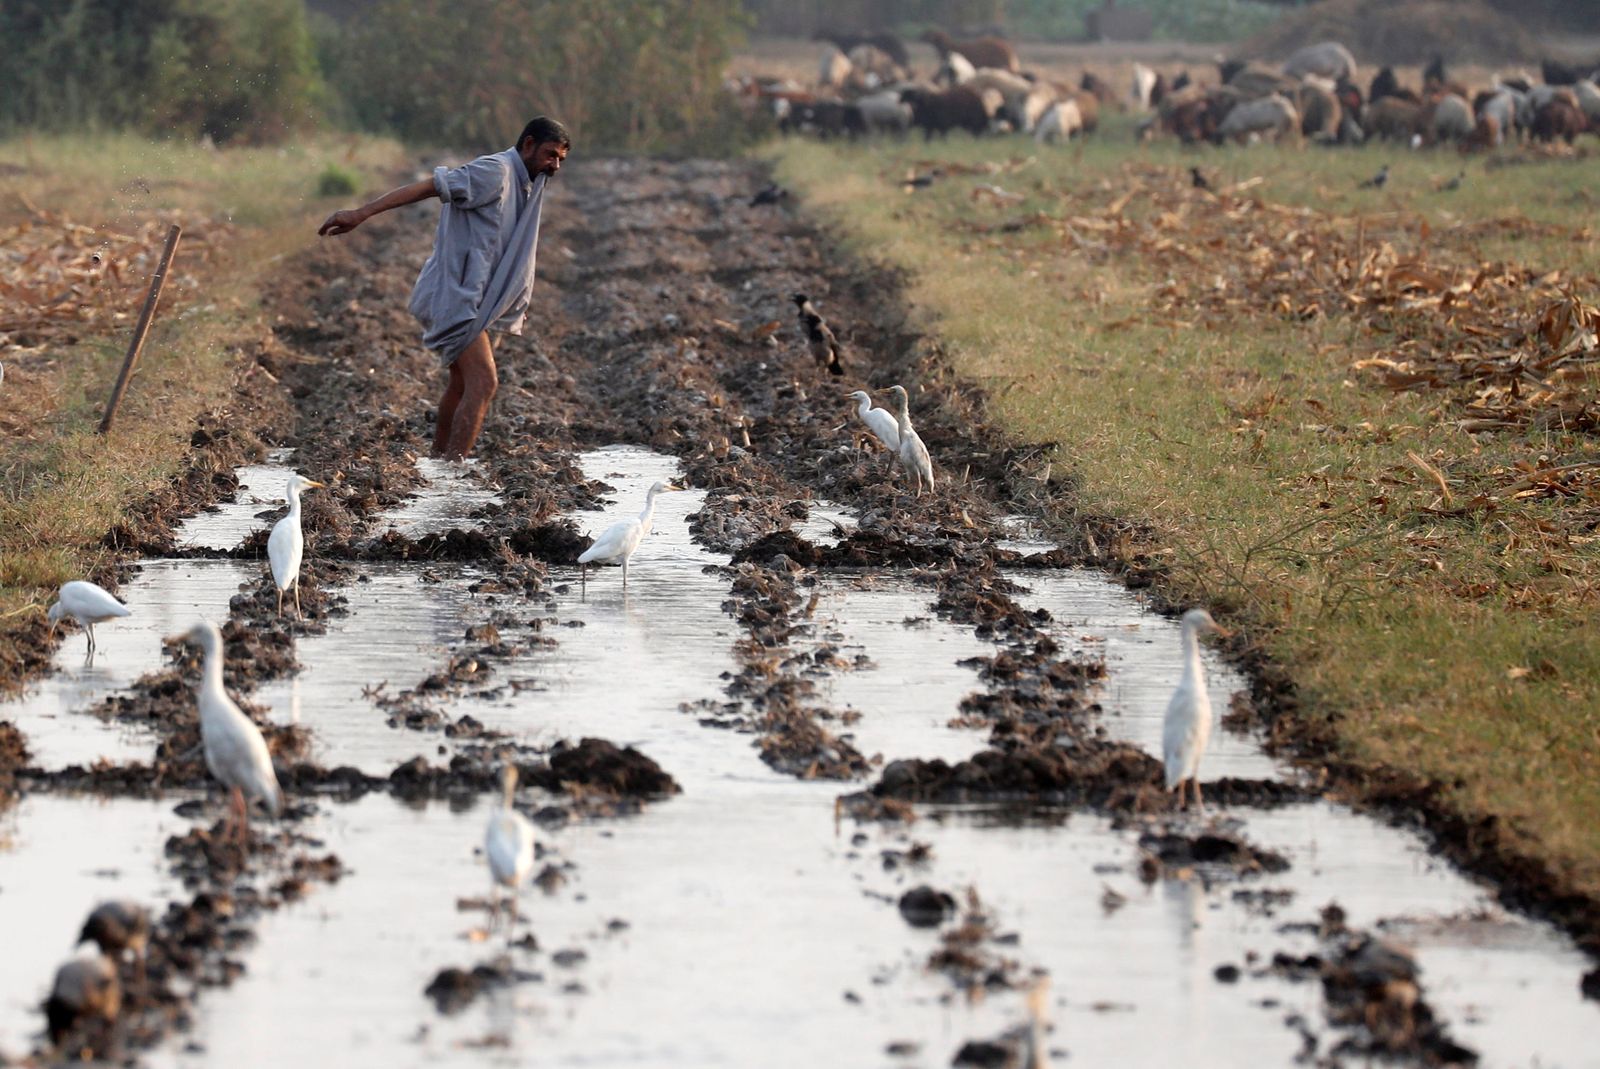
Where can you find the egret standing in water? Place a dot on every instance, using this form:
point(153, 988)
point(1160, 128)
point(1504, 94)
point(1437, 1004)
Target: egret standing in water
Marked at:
point(913, 454)
point(86, 603)
point(1188, 724)
point(880, 421)
point(619, 540)
point(235, 751)
point(508, 844)
point(286, 545)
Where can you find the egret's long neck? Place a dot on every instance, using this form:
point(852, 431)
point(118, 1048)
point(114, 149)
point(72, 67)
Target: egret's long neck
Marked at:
point(903, 415)
point(866, 406)
point(649, 510)
point(211, 672)
point(1191, 654)
point(294, 502)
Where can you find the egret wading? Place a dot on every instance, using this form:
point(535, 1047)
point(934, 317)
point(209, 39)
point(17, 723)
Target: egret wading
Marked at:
point(508, 844)
point(1188, 724)
point(617, 542)
point(286, 545)
point(236, 753)
point(913, 454)
point(880, 421)
point(86, 603)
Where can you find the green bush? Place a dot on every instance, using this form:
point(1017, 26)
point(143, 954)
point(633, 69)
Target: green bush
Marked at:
point(224, 69)
point(470, 73)
point(336, 181)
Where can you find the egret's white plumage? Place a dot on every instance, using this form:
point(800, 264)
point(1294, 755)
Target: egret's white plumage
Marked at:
point(86, 603)
point(880, 421)
point(619, 540)
point(1188, 724)
point(508, 844)
point(235, 752)
point(286, 545)
point(913, 454)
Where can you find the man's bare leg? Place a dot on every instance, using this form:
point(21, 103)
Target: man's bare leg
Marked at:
point(447, 410)
point(479, 382)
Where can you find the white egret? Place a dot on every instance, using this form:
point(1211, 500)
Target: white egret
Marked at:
point(619, 540)
point(236, 753)
point(880, 421)
point(286, 544)
point(1188, 724)
point(913, 454)
point(508, 844)
point(85, 989)
point(86, 603)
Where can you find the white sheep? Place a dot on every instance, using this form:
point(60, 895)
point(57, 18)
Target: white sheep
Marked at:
point(1588, 95)
point(1059, 123)
point(1505, 108)
point(1330, 59)
point(885, 112)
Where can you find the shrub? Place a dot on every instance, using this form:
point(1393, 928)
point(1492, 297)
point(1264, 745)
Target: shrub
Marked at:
point(335, 181)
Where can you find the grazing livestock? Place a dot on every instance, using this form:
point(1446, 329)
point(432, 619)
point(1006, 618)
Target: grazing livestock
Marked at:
point(1097, 86)
point(827, 119)
point(1257, 80)
point(1088, 109)
point(1330, 59)
point(1272, 115)
point(959, 108)
point(1060, 123)
point(1504, 108)
point(1393, 119)
point(1558, 118)
point(982, 51)
point(1320, 113)
point(883, 40)
point(1191, 119)
point(1485, 136)
point(1144, 84)
point(884, 112)
point(955, 70)
point(1588, 95)
point(834, 70)
point(1385, 84)
point(1451, 120)
point(871, 67)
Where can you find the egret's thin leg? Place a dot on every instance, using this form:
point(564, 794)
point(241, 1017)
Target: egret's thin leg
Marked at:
point(297, 614)
point(624, 573)
point(1199, 802)
point(280, 602)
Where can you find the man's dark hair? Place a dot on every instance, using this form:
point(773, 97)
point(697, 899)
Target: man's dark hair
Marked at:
point(545, 129)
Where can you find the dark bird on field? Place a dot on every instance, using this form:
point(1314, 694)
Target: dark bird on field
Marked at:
point(772, 194)
point(86, 991)
point(922, 181)
point(1454, 183)
point(1198, 180)
point(1377, 181)
point(824, 346)
point(117, 926)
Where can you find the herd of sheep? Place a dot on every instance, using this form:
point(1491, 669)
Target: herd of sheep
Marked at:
point(866, 86)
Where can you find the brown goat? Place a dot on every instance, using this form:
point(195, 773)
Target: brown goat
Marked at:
point(960, 108)
point(1560, 119)
point(1393, 119)
point(1484, 137)
point(982, 51)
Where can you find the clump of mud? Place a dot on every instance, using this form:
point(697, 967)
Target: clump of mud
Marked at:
point(453, 989)
point(1176, 854)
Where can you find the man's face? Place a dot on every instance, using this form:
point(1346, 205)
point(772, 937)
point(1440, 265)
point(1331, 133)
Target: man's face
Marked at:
point(546, 158)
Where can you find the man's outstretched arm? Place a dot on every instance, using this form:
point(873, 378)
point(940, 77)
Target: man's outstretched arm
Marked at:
point(342, 222)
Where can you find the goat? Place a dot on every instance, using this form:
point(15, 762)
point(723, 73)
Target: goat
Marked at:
point(982, 51)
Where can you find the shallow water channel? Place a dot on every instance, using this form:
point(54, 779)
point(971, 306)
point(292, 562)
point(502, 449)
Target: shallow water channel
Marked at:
point(738, 924)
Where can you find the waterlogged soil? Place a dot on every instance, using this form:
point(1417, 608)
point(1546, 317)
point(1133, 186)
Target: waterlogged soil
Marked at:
point(817, 694)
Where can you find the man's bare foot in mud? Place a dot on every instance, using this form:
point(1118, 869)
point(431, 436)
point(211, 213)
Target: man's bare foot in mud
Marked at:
point(465, 403)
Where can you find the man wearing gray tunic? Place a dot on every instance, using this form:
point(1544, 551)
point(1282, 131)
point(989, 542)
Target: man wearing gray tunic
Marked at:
point(480, 276)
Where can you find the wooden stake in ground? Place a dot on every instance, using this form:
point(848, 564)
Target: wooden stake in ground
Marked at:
point(142, 328)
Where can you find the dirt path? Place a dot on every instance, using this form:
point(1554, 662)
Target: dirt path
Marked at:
point(662, 320)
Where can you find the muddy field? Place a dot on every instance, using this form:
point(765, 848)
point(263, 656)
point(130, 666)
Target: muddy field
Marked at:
point(846, 776)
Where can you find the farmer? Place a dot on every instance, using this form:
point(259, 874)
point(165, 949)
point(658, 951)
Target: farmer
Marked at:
point(480, 276)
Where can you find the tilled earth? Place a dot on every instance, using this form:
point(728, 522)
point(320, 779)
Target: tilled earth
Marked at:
point(661, 319)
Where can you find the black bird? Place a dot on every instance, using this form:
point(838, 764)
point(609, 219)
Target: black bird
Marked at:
point(770, 195)
point(117, 926)
point(1197, 179)
point(1377, 180)
point(824, 346)
point(922, 181)
point(1454, 183)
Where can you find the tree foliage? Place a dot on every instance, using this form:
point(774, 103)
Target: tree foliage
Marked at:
point(227, 69)
point(470, 73)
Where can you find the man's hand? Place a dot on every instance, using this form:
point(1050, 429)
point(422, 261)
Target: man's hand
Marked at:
point(341, 222)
